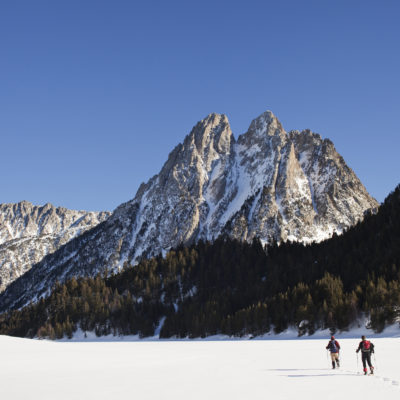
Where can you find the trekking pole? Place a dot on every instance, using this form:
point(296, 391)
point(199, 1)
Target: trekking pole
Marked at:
point(376, 365)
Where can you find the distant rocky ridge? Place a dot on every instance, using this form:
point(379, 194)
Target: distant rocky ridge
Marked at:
point(28, 233)
point(269, 183)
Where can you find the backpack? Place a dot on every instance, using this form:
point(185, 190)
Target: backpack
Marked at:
point(333, 347)
point(366, 345)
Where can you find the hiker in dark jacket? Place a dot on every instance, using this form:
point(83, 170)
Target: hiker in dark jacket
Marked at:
point(367, 348)
point(334, 347)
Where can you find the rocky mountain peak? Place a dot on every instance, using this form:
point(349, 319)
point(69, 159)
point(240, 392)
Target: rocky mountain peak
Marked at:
point(267, 124)
point(212, 134)
point(268, 184)
point(29, 232)
point(264, 136)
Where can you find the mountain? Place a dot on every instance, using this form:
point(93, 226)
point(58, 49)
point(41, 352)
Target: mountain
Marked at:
point(28, 233)
point(269, 183)
point(235, 288)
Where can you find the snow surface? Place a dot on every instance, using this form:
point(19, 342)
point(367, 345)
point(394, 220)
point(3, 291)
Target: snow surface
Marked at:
point(205, 369)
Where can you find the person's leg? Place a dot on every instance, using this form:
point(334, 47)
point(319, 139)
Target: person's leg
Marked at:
point(370, 363)
point(364, 361)
point(333, 360)
point(337, 359)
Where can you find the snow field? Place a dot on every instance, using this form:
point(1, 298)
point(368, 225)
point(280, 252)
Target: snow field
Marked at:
point(253, 369)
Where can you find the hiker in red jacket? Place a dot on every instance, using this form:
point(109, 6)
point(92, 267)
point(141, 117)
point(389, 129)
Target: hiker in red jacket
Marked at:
point(334, 347)
point(367, 348)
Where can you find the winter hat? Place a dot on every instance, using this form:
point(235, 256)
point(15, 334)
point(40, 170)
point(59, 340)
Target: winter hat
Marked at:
point(363, 337)
point(332, 337)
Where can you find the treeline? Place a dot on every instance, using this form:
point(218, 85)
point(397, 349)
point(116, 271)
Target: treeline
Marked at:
point(234, 288)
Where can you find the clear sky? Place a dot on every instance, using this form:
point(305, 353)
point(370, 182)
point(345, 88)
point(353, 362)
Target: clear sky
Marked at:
point(95, 94)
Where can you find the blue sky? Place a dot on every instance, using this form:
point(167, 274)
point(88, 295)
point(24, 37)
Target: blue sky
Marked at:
point(95, 94)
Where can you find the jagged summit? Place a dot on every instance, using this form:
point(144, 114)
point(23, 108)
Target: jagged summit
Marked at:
point(23, 219)
point(268, 184)
point(209, 138)
point(266, 124)
point(29, 232)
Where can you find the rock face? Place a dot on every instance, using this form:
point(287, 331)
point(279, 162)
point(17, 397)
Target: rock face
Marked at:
point(28, 233)
point(268, 184)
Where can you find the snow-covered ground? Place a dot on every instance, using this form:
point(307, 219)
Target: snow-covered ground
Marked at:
point(253, 369)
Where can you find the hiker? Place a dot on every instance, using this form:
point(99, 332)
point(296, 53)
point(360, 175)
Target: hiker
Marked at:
point(366, 348)
point(334, 347)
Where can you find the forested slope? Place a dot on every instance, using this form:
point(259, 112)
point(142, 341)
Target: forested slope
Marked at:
point(235, 288)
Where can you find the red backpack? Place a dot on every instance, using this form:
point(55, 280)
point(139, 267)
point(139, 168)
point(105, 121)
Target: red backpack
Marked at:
point(366, 345)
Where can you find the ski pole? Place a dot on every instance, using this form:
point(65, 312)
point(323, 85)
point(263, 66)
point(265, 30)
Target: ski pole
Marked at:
point(327, 357)
point(357, 362)
point(376, 365)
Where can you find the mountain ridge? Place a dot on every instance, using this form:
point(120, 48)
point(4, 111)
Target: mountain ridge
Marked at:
point(267, 184)
point(28, 233)
point(235, 288)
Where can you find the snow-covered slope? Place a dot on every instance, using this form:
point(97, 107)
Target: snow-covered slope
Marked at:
point(176, 370)
point(28, 233)
point(268, 184)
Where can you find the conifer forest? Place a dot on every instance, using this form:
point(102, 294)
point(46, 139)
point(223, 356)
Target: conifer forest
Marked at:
point(234, 288)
